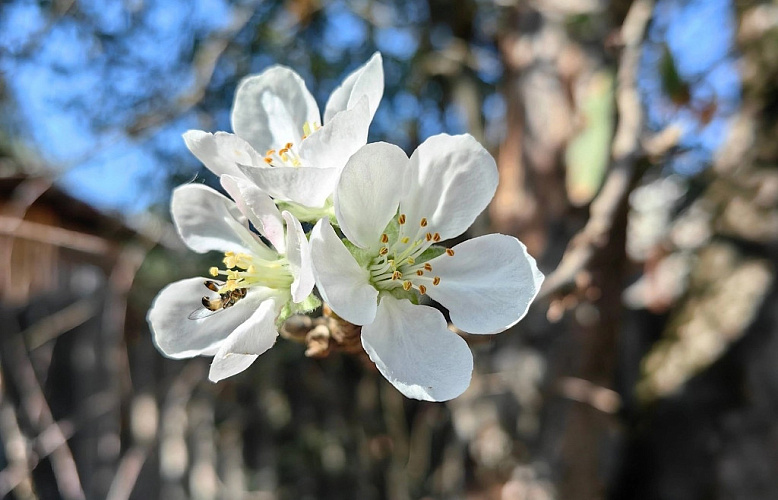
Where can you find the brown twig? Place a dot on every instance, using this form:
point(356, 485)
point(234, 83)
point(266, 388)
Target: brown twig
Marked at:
point(323, 335)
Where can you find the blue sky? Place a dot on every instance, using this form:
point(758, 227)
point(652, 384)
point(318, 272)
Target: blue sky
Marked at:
point(100, 164)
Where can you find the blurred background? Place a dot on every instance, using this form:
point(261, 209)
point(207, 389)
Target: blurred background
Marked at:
point(637, 143)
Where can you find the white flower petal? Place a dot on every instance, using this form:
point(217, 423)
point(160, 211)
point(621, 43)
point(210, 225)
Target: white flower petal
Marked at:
point(367, 80)
point(333, 144)
point(208, 221)
point(450, 180)
point(221, 152)
point(307, 186)
point(271, 108)
point(258, 207)
point(343, 284)
point(177, 336)
point(255, 336)
point(414, 350)
point(369, 191)
point(299, 256)
point(488, 284)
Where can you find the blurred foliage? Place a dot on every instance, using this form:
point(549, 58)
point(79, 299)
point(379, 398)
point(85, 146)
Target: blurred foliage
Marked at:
point(605, 390)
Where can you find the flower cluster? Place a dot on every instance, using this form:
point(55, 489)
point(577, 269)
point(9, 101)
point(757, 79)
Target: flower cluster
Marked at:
point(376, 252)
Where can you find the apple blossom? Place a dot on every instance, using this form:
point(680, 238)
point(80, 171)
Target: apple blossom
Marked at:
point(260, 285)
point(280, 142)
point(393, 210)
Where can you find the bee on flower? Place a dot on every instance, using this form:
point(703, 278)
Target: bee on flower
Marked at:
point(255, 289)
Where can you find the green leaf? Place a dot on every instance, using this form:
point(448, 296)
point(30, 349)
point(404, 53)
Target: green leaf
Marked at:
point(588, 153)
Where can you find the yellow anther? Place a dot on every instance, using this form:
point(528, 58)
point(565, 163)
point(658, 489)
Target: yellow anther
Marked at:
point(383, 251)
point(405, 240)
point(423, 222)
point(436, 237)
point(288, 146)
point(251, 269)
point(436, 280)
point(411, 260)
point(270, 152)
point(214, 271)
point(449, 252)
point(268, 160)
point(428, 267)
point(229, 286)
point(422, 289)
point(401, 219)
point(419, 272)
point(407, 285)
point(396, 275)
point(384, 238)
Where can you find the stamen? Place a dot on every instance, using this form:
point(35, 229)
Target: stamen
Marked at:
point(214, 271)
point(449, 252)
point(436, 237)
point(436, 280)
point(401, 219)
point(268, 160)
point(405, 240)
point(397, 275)
point(384, 238)
point(383, 251)
point(423, 222)
point(428, 267)
point(411, 260)
point(288, 146)
point(407, 285)
point(422, 289)
point(270, 152)
point(428, 236)
point(419, 272)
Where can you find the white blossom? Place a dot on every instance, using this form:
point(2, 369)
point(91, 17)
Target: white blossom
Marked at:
point(281, 143)
point(393, 210)
point(233, 314)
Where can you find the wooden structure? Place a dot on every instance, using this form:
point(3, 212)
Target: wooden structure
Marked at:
point(65, 273)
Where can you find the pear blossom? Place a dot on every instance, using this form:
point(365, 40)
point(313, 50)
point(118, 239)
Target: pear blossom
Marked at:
point(281, 143)
point(233, 314)
point(393, 211)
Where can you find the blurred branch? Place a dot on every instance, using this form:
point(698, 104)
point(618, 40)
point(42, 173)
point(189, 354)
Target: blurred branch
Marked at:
point(17, 475)
point(38, 414)
point(58, 236)
point(55, 324)
point(35, 39)
point(625, 152)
